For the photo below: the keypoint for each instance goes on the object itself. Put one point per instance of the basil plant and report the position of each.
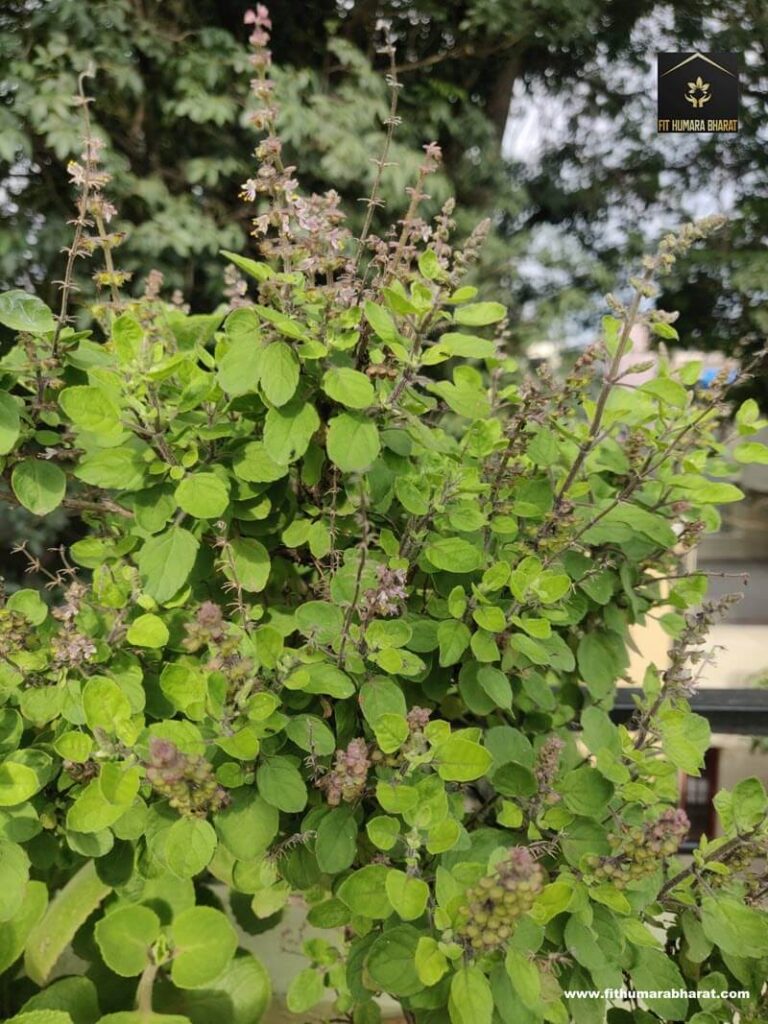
(342, 629)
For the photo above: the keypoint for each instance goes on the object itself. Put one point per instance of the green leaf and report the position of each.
(431, 963)
(544, 449)
(467, 346)
(203, 495)
(250, 564)
(470, 1000)
(41, 1017)
(685, 738)
(698, 946)
(380, 696)
(601, 662)
(391, 960)
(391, 732)
(10, 423)
(105, 704)
(478, 314)
(284, 323)
(336, 842)
(667, 390)
(453, 554)
(407, 894)
(147, 631)
(495, 683)
(524, 976)
(384, 633)
(453, 638)
(40, 486)
(748, 804)
(619, 523)
(254, 268)
(122, 469)
(748, 452)
(29, 604)
(204, 944)
(239, 995)
(707, 492)
(490, 617)
(165, 562)
(255, 465)
(463, 397)
(352, 442)
(461, 760)
(239, 369)
(189, 846)
(279, 372)
(91, 812)
(124, 938)
(429, 265)
(734, 928)
(666, 331)
(76, 996)
(534, 650)
(91, 409)
(364, 892)
(14, 875)
(748, 413)
(514, 780)
(383, 831)
(280, 783)
(306, 990)
(14, 932)
(348, 387)
(654, 971)
(248, 825)
(140, 1017)
(411, 496)
(72, 905)
(24, 312)
(18, 782)
(321, 677)
(288, 431)
(381, 322)
(311, 734)
(551, 586)
(586, 792)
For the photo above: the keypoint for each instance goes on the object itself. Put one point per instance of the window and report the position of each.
(696, 796)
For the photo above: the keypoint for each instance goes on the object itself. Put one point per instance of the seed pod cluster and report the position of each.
(15, 632)
(637, 851)
(186, 781)
(347, 779)
(487, 919)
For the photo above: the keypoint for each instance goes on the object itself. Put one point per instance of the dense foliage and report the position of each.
(345, 626)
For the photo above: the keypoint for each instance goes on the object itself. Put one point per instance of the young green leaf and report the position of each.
(125, 937)
(204, 943)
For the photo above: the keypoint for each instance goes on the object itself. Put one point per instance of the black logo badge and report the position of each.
(698, 92)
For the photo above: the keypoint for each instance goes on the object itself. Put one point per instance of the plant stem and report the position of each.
(391, 121)
(609, 382)
(144, 989)
(723, 851)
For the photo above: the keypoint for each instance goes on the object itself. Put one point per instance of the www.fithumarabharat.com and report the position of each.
(661, 993)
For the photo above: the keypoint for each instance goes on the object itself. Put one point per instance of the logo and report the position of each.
(698, 92)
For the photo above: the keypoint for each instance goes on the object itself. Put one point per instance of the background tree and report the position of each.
(172, 86)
